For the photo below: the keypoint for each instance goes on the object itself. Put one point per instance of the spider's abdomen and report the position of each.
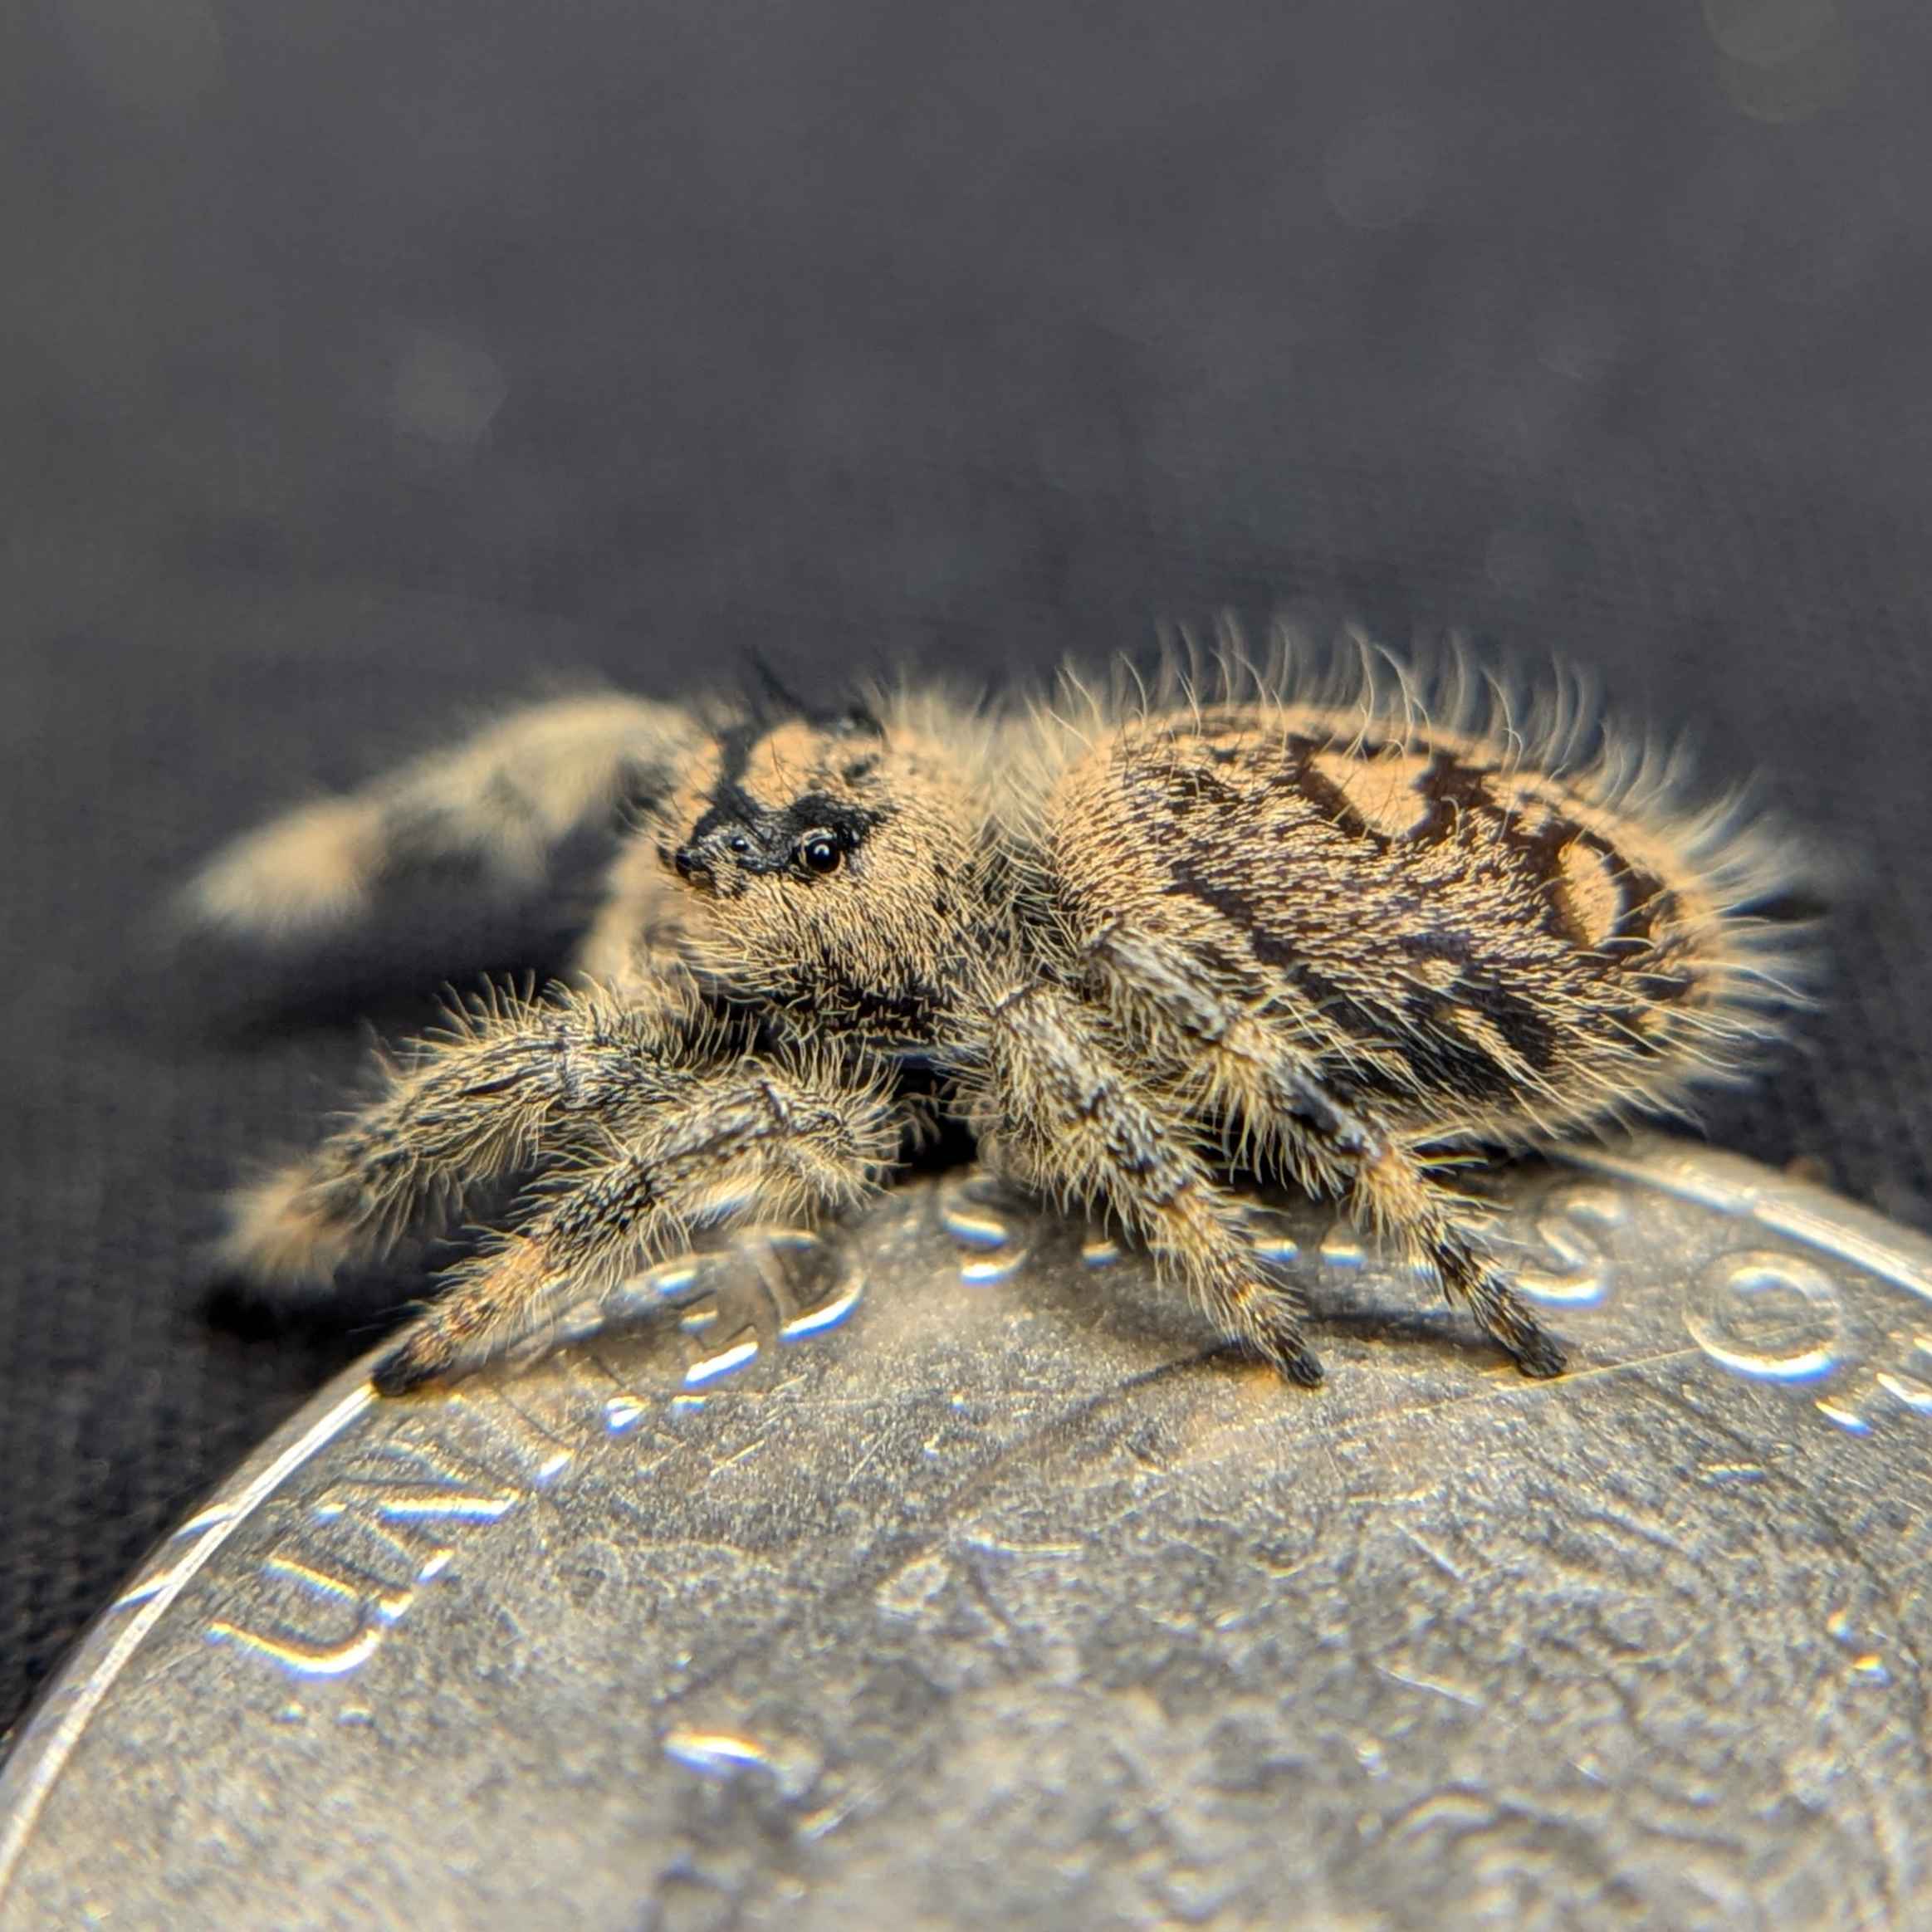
(1479, 945)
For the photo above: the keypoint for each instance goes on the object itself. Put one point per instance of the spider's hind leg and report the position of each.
(1395, 1192)
(498, 804)
(1249, 1069)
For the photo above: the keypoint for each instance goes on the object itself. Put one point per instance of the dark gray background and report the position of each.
(367, 362)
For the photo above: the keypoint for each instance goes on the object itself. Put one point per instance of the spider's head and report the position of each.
(827, 863)
(796, 800)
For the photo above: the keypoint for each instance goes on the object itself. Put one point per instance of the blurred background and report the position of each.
(369, 363)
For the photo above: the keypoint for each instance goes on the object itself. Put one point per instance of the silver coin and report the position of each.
(939, 1571)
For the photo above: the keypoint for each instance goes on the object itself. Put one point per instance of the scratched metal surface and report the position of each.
(938, 1573)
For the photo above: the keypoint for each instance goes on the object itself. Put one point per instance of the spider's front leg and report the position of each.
(1064, 1111)
(508, 1079)
(788, 1134)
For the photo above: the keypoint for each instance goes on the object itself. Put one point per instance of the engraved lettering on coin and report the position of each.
(1912, 1391)
(1902, 1388)
(346, 1572)
(713, 1349)
(1342, 1248)
(1774, 1317)
(1273, 1233)
(814, 1281)
(1572, 1228)
(327, 1594)
(772, 1287)
(991, 1221)
(174, 1555)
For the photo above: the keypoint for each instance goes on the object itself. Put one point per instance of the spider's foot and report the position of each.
(1535, 1350)
(1304, 1367)
(1294, 1360)
(425, 1354)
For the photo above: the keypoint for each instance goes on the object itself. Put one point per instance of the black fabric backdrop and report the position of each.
(366, 362)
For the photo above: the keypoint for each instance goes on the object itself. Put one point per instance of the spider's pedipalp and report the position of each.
(498, 804)
(638, 941)
(788, 1136)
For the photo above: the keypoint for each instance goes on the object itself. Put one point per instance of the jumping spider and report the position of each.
(1137, 941)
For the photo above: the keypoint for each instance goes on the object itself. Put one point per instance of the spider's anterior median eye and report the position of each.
(819, 852)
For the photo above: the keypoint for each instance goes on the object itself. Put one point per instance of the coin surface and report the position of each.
(940, 1570)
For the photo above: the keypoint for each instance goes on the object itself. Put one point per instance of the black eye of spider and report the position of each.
(739, 844)
(821, 853)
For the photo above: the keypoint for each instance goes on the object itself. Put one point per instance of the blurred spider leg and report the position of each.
(778, 1137)
(1255, 1073)
(482, 1100)
(1064, 1114)
(499, 802)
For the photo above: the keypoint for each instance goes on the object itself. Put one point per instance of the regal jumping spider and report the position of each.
(1139, 941)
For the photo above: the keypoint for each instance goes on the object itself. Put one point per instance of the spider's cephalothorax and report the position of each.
(1137, 942)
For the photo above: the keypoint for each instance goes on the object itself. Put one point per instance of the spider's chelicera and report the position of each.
(1139, 942)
